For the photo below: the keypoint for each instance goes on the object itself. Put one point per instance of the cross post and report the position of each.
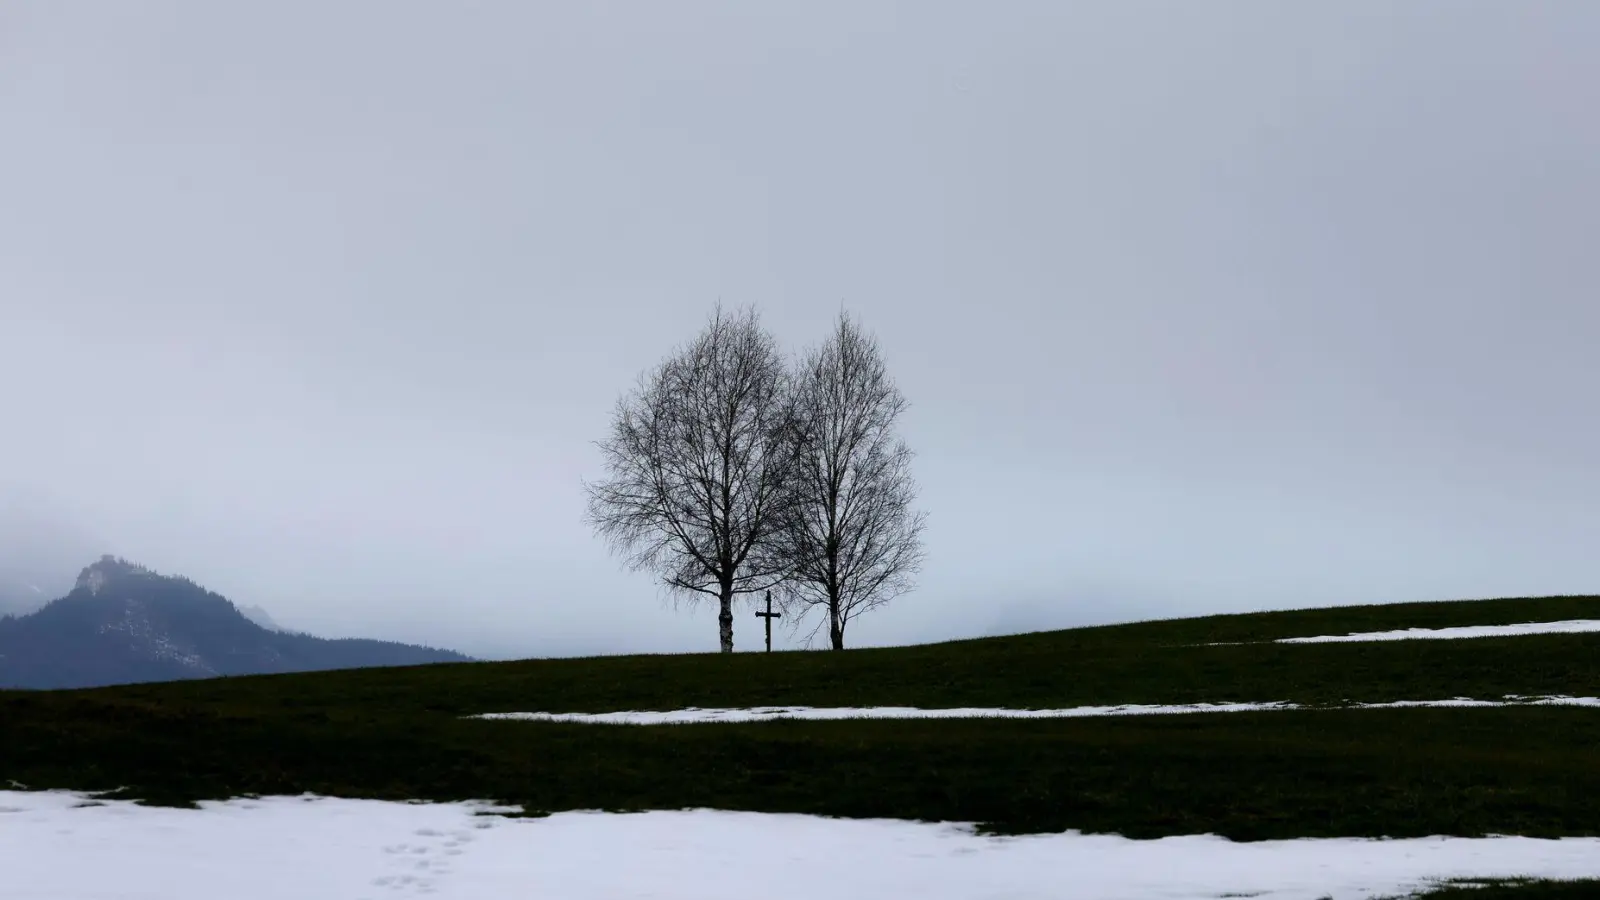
(769, 615)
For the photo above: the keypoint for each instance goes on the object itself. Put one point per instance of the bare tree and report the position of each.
(850, 537)
(697, 458)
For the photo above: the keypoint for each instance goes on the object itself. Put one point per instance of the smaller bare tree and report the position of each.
(850, 538)
(697, 456)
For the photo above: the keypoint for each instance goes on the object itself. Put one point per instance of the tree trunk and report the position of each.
(725, 617)
(835, 625)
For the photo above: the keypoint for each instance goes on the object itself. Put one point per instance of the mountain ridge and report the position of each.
(123, 623)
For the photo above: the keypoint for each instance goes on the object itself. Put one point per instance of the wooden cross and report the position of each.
(769, 615)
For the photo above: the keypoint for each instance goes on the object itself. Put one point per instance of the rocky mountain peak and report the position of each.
(105, 570)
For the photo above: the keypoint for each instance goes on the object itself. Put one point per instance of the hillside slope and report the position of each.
(405, 733)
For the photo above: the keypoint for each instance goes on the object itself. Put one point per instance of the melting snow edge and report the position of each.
(694, 715)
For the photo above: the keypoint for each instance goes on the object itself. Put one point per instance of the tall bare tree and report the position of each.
(850, 537)
(697, 459)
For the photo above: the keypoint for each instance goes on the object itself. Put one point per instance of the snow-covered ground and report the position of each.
(329, 849)
(1573, 626)
(693, 715)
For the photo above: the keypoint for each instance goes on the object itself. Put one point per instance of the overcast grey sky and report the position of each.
(1200, 306)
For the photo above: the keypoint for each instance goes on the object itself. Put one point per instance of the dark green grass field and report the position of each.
(399, 733)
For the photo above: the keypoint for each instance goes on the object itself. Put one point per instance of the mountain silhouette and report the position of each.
(123, 623)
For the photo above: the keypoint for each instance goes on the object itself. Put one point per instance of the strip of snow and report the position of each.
(1511, 700)
(313, 848)
(1574, 626)
(695, 715)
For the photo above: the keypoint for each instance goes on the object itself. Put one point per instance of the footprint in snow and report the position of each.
(405, 883)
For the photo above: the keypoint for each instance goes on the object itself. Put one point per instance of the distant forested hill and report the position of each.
(123, 623)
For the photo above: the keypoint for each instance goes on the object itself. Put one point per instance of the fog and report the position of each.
(1200, 307)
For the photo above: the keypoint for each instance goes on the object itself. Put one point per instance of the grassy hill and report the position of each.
(400, 733)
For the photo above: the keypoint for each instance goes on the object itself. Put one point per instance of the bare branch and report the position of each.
(697, 460)
(850, 537)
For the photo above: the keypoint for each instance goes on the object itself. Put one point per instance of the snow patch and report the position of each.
(1573, 626)
(695, 715)
(151, 641)
(313, 848)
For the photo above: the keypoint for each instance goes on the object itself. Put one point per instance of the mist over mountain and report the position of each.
(259, 616)
(19, 595)
(40, 548)
(122, 623)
